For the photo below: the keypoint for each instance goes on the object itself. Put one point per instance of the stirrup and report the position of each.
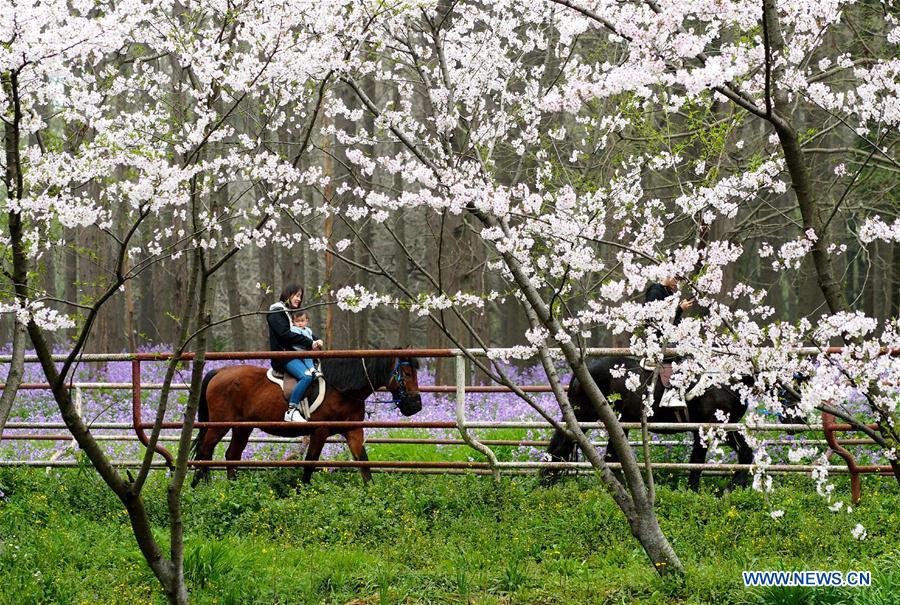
(294, 415)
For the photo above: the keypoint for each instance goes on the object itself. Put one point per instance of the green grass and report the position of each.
(434, 539)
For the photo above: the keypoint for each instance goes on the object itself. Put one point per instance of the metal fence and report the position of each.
(465, 428)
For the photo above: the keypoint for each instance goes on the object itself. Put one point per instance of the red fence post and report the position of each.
(828, 427)
(136, 413)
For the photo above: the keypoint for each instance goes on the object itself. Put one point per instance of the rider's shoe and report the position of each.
(293, 415)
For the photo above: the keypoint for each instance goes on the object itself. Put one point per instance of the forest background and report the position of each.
(719, 137)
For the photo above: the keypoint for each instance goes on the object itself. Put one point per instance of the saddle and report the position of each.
(674, 398)
(665, 370)
(665, 374)
(315, 394)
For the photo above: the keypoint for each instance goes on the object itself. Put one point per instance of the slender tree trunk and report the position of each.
(147, 305)
(781, 118)
(633, 498)
(266, 263)
(891, 281)
(130, 325)
(314, 275)
(811, 212)
(881, 285)
(14, 375)
(400, 262)
(13, 181)
(328, 278)
(176, 273)
(232, 288)
(364, 317)
(402, 271)
(179, 593)
(805, 295)
(49, 278)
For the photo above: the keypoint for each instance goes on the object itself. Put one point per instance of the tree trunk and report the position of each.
(147, 305)
(232, 287)
(266, 262)
(633, 499)
(14, 181)
(328, 232)
(809, 203)
(401, 269)
(14, 375)
(892, 282)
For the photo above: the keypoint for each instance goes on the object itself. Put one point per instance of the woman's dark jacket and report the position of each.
(660, 292)
(280, 336)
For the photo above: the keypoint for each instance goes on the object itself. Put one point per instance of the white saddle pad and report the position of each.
(672, 398)
(270, 374)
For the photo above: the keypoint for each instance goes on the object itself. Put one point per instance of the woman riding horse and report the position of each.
(282, 338)
(245, 394)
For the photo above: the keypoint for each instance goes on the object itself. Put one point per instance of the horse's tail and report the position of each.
(202, 412)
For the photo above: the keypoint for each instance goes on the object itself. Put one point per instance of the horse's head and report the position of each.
(404, 386)
(787, 409)
(789, 398)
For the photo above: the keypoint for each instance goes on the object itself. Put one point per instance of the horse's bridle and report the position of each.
(397, 375)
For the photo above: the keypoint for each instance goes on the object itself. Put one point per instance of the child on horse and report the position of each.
(282, 338)
(300, 325)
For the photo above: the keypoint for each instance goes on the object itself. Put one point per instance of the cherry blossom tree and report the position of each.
(589, 148)
(149, 110)
(525, 112)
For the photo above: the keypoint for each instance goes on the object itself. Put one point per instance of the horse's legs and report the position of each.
(698, 456)
(744, 454)
(357, 446)
(316, 443)
(208, 444)
(239, 439)
(561, 449)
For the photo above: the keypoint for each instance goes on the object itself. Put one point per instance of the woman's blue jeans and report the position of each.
(298, 368)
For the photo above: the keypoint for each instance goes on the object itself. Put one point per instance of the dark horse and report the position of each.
(244, 394)
(628, 405)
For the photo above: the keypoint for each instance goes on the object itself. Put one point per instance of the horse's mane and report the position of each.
(348, 375)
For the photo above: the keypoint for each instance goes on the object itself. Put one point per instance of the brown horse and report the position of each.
(244, 394)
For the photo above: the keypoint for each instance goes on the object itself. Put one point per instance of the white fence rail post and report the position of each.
(461, 418)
